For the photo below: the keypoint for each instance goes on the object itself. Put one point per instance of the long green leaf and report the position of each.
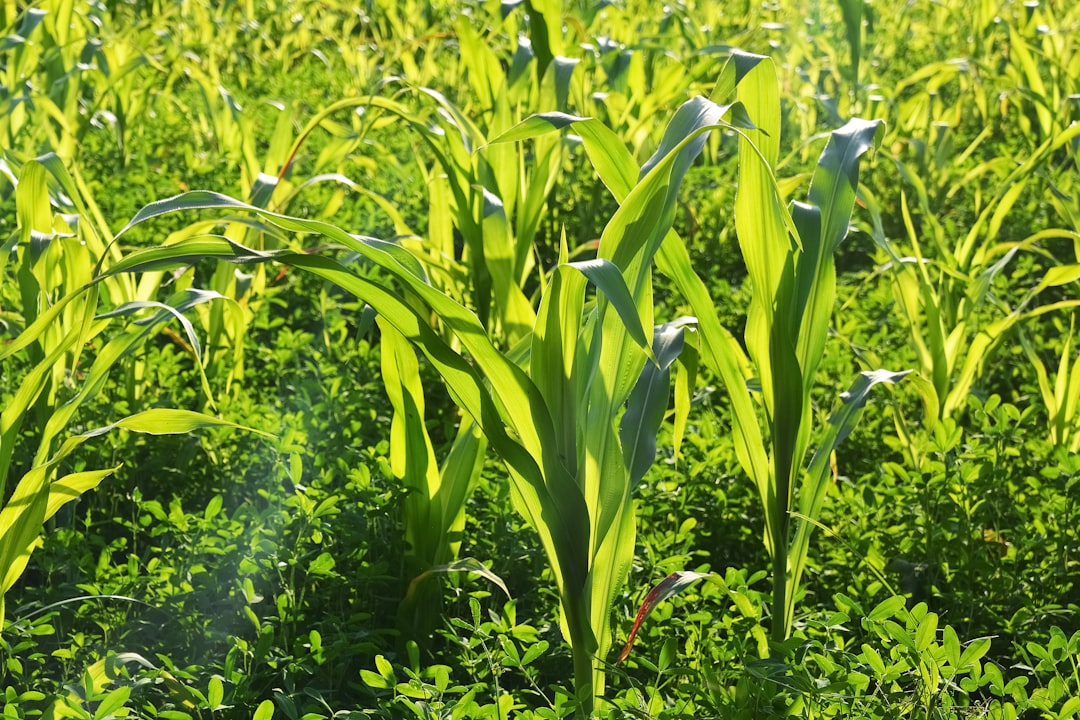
(34, 500)
(648, 402)
(812, 493)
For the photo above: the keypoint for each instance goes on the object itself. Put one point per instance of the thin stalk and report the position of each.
(583, 681)
(581, 651)
(780, 578)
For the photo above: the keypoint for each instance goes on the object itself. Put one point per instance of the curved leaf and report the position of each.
(607, 277)
(535, 125)
(670, 586)
(468, 565)
(647, 404)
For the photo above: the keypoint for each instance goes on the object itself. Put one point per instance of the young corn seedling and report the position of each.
(554, 410)
(508, 194)
(435, 505)
(59, 297)
(494, 197)
(266, 181)
(48, 69)
(1062, 399)
(1044, 68)
(790, 259)
(943, 288)
(789, 255)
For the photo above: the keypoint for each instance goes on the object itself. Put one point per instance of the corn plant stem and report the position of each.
(779, 626)
(577, 620)
(583, 678)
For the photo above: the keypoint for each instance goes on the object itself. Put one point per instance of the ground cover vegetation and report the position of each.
(539, 359)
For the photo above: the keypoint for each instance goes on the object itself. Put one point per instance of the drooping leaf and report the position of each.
(607, 277)
(535, 125)
(670, 586)
(647, 404)
(467, 565)
(71, 487)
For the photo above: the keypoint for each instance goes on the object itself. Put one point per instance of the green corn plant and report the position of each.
(61, 316)
(789, 256)
(495, 199)
(1042, 65)
(790, 260)
(435, 506)
(42, 78)
(434, 510)
(61, 77)
(555, 417)
(494, 194)
(1062, 399)
(266, 180)
(635, 63)
(943, 289)
(792, 270)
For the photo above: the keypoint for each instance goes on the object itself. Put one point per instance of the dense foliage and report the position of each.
(406, 359)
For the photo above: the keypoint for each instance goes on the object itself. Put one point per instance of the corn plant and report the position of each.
(42, 52)
(435, 505)
(789, 255)
(495, 199)
(60, 317)
(790, 260)
(494, 194)
(267, 180)
(489, 273)
(556, 416)
(1062, 398)
(943, 288)
(793, 275)
(1042, 65)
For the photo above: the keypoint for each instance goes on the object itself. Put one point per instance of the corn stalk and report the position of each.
(789, 255)
(556, 420)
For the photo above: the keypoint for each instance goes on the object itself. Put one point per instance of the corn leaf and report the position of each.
(648, 403)
(667, 588)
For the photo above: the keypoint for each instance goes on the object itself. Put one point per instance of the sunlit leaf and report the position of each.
(670, 586)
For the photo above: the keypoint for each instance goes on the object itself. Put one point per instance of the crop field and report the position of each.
(539, 359)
